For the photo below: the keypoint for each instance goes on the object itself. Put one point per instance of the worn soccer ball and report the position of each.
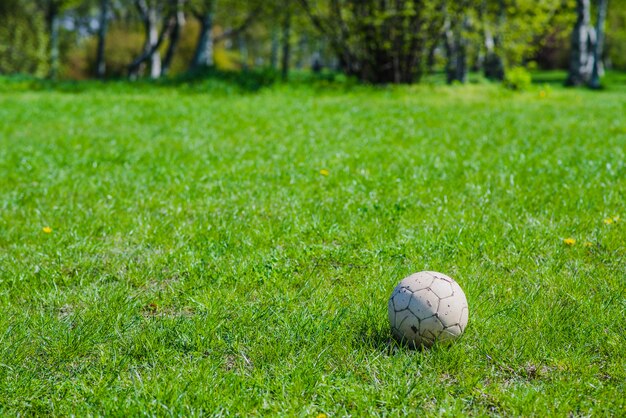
(427, 307)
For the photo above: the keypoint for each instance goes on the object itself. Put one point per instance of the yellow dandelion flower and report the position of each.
(569, 241)
(324, 172)
(588, 244)
(46, 229)
(322, 415)
(608, 221)
(542, 94)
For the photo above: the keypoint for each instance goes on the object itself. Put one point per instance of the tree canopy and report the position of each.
(375, 41)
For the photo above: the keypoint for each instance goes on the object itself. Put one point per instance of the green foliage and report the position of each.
(23, 39)
(379, 42)
(521, 27)
(199, 264)
(123, 43)
(517, 78)
(616, 34)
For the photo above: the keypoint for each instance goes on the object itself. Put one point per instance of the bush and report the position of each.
(517, 78)
(23, 39)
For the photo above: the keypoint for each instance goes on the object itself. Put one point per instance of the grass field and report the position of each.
(165, 252)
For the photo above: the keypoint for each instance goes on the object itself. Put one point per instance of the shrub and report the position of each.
(517, 78)
(23, 39)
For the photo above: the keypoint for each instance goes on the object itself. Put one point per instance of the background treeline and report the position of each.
(376, 41)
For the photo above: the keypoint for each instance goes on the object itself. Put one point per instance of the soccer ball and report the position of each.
(427, 307)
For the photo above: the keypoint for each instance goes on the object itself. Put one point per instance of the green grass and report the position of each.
(200, 264)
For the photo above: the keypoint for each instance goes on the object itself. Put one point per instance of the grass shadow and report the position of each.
(202, 80)
(378, 338)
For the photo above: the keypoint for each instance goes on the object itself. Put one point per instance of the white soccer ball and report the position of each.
(427, 307)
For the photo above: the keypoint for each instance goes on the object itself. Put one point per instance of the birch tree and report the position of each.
(583, 42)
(598, 69)
(204, 12)
(234, 16)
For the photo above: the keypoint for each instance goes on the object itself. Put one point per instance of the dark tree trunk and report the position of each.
(461, 60)
(316, 62)
(52, 19)
(174, 40)
(102, 34)
(598, 69)
(302, 52)
(493, 66)
(430, 57)
(456, 51)
(286, 46)
(274, 49)
(242, 43)
(583, 41)
(203, 57)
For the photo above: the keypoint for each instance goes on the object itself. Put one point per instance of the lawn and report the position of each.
(165, 251)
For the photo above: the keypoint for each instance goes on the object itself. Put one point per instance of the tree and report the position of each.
(174, 35)
(23, 38)
(513, 30)
(102, 34)
(378, 41)
(285, 20)
(583, 42)
(237, 16)
(615, 40)
(493, 64)
(456, 24)
(204, 12)
(52, 10)
(286, 43)
(149, 13)
(597, 69)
